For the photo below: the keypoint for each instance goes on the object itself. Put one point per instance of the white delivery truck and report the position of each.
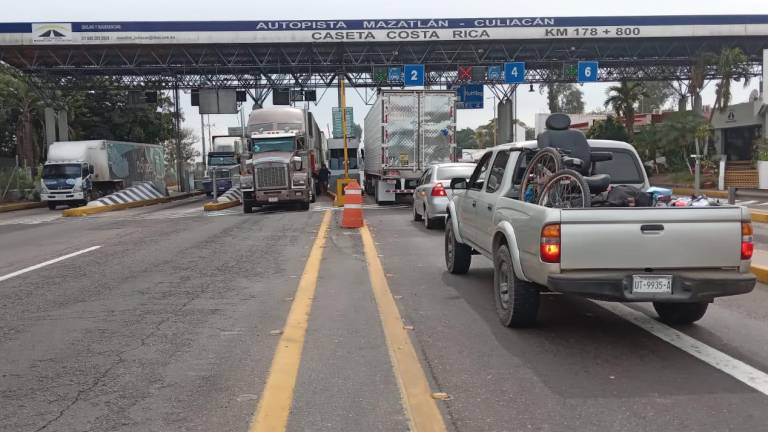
(405, 133)
(79, 171)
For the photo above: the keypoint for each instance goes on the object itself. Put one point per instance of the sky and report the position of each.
(528, 103)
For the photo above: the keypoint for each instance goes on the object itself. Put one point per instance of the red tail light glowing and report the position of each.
(550, 243)
(438, 190)
(747, 246)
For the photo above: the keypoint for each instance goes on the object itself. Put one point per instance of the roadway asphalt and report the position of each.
(170, 326)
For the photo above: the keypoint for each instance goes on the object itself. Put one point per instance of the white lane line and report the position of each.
(41, 265)
(763, 204)
(743, 203)
(743, 372)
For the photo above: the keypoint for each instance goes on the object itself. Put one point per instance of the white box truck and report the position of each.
(76, 172)
(405, 133)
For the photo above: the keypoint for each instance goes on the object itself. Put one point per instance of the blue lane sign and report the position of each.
(494, 73)
(514, 72)
(413, 75)
(587, 71)
(470, 96)
(393, 73)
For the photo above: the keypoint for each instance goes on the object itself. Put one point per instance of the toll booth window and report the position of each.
(336, 161)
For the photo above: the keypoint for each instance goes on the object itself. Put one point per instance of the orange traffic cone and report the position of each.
(352, 215)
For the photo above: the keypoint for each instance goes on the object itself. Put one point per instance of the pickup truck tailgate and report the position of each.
(630, 238)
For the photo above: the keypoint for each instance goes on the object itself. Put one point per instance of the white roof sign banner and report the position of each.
(380, 30)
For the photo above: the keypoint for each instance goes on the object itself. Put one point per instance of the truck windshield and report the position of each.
(263, 145)
(221, 160)
(61, 171)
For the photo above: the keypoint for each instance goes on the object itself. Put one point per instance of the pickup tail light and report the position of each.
(550, 243)
(747, 246)
(438, 190)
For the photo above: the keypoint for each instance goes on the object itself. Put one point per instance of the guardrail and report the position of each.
(735, 193)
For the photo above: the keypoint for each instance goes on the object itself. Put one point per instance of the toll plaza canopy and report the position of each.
(312, 53)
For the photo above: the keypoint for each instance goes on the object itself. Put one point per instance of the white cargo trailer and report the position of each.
(406, 132)
(76, 172)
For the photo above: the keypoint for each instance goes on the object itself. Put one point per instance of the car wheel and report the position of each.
(680, 313)
(416, 215)
(429, 223)
(458, 256)
(517, 301)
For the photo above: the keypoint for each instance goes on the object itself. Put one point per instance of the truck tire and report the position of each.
(517, 301)
(680, 313)
(51, 205)
(247, 207)
(458, 256)
(304, 205)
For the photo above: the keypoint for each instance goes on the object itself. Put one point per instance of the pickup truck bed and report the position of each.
(678, 258)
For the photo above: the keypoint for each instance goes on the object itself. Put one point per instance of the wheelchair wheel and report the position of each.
(540, 169)
(566, 189)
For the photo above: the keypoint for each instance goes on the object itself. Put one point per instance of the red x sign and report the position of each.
(465, 73)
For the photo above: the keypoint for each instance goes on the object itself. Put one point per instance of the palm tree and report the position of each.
(731, 66)
(622, 99)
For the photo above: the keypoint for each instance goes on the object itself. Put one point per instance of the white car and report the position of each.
(430, 197)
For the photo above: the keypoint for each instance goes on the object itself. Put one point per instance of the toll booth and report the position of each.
(336, 160)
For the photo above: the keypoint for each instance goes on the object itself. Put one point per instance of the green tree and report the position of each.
(608, 129)
(22, 108)
(623, 99)
(678, 134)
(731, 66)
(107, 115)
(563, 97)
(657, 94)
(648, 143)
(465, 138)
(357, 131)
(188, 150)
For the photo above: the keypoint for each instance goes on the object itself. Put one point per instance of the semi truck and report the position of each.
(223, 164)
(405, 133)
(284, 154)
(76, 172)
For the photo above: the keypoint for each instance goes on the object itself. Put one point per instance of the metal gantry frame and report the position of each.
(260, 68)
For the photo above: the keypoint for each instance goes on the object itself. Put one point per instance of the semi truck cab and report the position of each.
(278, 172)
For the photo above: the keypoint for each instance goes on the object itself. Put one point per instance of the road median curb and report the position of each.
(761, 273)
(708, 192)
(758, 216)
(214, 206)
(4, 208)
(85, 211)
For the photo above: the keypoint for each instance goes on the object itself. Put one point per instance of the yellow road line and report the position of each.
(276, 399)
(422, 410)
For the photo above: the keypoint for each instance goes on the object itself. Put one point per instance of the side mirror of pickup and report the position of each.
(458, 183)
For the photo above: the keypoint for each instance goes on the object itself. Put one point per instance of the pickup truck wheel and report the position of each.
(416, 215)
(517, 301)
(458, 256)
(680, 313)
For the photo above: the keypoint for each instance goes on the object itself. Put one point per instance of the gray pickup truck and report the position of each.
(680, 259)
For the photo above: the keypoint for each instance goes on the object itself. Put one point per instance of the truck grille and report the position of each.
(272, 177)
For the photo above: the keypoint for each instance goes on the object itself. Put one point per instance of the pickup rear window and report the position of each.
(623, 169)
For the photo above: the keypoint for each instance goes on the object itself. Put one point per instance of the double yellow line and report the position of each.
(274, 405)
